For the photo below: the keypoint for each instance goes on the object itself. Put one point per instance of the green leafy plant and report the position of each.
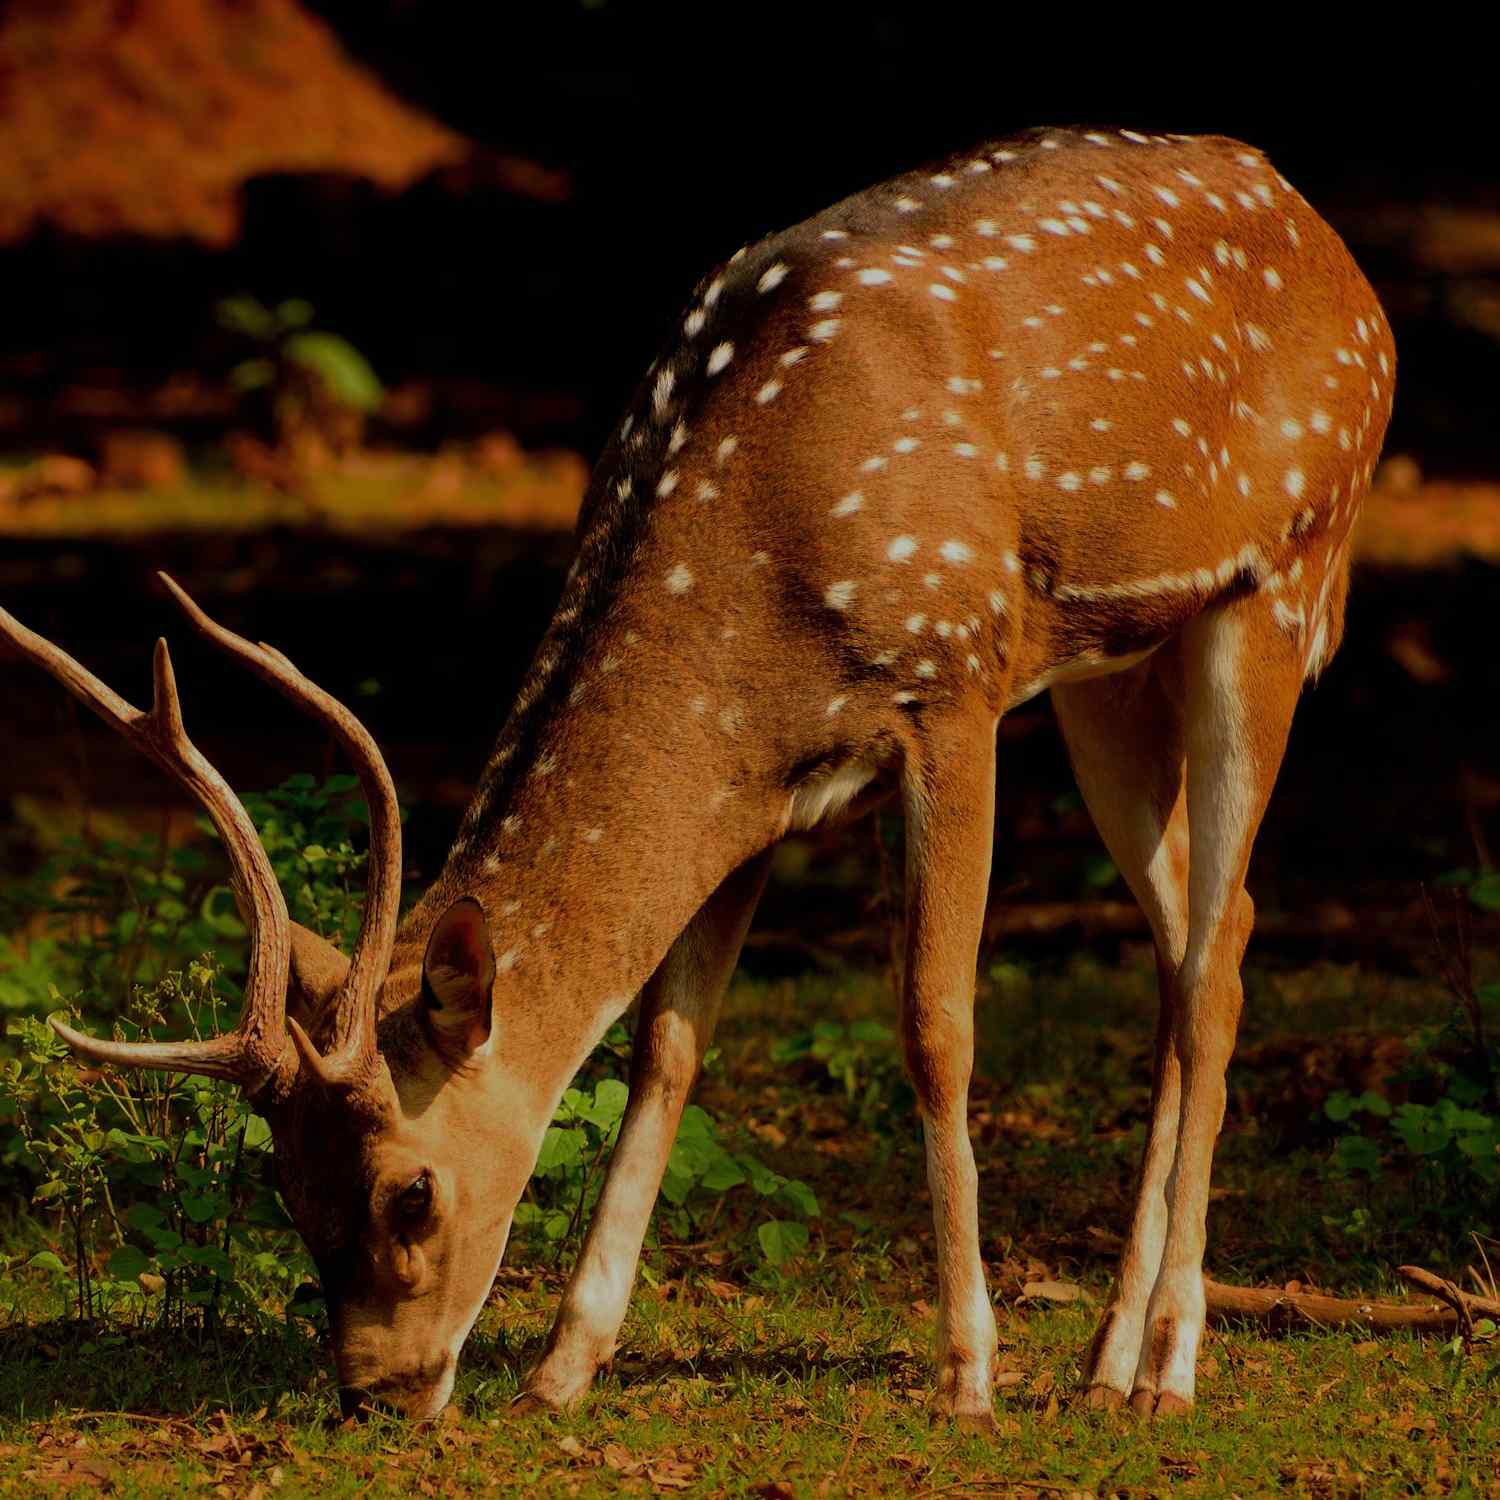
(155, 1186)
(155, 1178)
(701, 1172)
(299, 378)
(309, 829)
(862, 1059)
(1445, 1136)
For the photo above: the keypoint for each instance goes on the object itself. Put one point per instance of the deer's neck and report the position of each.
(619, 796)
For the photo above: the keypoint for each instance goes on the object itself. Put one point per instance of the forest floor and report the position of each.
(736, 1377)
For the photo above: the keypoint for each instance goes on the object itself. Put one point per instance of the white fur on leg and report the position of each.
(1167, 1370)
(966, 1331)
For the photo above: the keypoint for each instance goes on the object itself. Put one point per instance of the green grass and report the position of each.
(734, 1377)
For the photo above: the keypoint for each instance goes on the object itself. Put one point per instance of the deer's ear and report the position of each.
(318, 969)
(458, 974)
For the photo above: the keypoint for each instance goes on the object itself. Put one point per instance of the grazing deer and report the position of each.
(1087, 411)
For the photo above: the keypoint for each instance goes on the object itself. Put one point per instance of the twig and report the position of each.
(1464, 1303)
(1280, 1310)
(81, 1413)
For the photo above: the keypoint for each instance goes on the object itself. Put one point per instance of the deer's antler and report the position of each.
(351, 1057)
(259, 1050)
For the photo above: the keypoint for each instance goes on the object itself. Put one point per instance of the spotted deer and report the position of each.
(1091, 412)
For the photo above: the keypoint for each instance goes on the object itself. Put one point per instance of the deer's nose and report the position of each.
(355, 1402)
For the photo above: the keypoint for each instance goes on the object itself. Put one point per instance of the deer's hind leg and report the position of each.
(1126, 737)
(1242, 673)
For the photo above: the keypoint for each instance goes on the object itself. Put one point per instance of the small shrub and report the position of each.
(862, 1059)
(701, 1172)
(1445, 1135)
(157, 1185)
(159, 1180)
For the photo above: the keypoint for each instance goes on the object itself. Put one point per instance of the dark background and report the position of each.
(688, 132)
(683, 134)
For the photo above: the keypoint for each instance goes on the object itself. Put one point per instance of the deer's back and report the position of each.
(1020, 413)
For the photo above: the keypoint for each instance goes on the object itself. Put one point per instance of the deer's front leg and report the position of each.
(679, 1007)
(949, 800)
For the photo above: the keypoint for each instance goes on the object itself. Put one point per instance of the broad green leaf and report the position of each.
(341, 367)
(1358, 1153)
(128, 1262)
(781, 1240)
(800, 1197)
(144, 1216)
(208, 1258)
(696, 1125)
(676, 1185)
(722, 1175)
(246, 315)
(610, 1099)
(1424, 1130)
(561, 1147)
(295, 312)
(199, 1209)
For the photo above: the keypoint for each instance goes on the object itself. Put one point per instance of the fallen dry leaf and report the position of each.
(1054, 1291)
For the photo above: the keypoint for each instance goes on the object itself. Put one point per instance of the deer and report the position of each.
(1087, 411)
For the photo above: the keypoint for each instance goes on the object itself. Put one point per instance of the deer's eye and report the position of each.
(414, 1202)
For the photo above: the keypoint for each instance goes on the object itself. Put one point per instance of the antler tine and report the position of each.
(257, 1050)
(352, 1047)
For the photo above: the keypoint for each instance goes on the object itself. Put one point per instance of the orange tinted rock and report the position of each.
(140, 461)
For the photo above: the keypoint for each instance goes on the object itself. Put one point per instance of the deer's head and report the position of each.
(399, 1152)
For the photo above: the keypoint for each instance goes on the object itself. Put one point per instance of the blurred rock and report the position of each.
(209, 96)
(408, 405)
(445, 479)
(259, 462)
(497, 453)
(1400, 474)
(140, 461)
(54, 474)
(1410, 646)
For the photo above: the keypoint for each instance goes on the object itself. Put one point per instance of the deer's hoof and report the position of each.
(533, 1403)
(980, 1422)
(1170, 1404)
(945, 1407)
(1101, 1398)
(1151, 1404)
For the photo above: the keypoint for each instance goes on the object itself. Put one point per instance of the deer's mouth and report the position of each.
(419, 1396)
